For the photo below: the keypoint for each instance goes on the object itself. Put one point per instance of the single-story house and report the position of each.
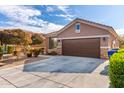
(83, 38)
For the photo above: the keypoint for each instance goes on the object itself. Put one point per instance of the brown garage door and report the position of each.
(81, 47)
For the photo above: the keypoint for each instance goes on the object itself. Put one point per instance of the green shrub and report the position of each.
(121, 50)
(1, 49)
(1, 52)
(16, 53)
(1, 55)
(42, 50)
(10, 49)
(52, 53)
(36, 52)
(29, 52)
(116, 70)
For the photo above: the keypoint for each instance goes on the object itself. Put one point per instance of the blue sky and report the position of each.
(45, 19)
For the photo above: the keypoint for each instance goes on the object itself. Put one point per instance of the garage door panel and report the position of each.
(84, 53)
(81, 47)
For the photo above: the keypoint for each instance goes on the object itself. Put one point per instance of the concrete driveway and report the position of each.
(58, 72)
(65, 64)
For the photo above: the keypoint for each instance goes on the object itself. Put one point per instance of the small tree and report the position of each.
(3, 37)
(37, 39)
(19, 37)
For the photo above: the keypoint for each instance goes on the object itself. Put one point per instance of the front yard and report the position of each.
(11, 61)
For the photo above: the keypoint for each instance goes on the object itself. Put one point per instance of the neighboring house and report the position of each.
(83, 38)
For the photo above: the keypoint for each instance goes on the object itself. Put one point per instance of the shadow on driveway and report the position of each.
(105, 71)
(64, 64)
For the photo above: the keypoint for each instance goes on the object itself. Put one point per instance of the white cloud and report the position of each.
(22, 14)
(54, 27)
(26, 17)
(50, 9)
(63, 8)
(66, 16)
(120, 31)
(50, 27)
(19, 13)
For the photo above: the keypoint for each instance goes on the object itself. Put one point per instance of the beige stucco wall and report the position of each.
(104, 47)
(86, 30)
(112, 39)
(111, 45)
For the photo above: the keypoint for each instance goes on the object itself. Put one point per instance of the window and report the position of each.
(77, 27)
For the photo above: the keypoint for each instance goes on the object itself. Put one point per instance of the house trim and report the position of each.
(95, 36)
(108, 47)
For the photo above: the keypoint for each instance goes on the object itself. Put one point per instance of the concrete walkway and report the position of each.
(16, 77)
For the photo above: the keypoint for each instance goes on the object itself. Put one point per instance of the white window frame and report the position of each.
(77, 31)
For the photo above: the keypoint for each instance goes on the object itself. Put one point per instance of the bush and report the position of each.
(29, 54)
(10, 49)
(36, 52)
(15, 53)
(1, 52)
(1, 49)
(120, 50)
(1, 55)
(116, 70)
(52, 53)
(42, 50)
